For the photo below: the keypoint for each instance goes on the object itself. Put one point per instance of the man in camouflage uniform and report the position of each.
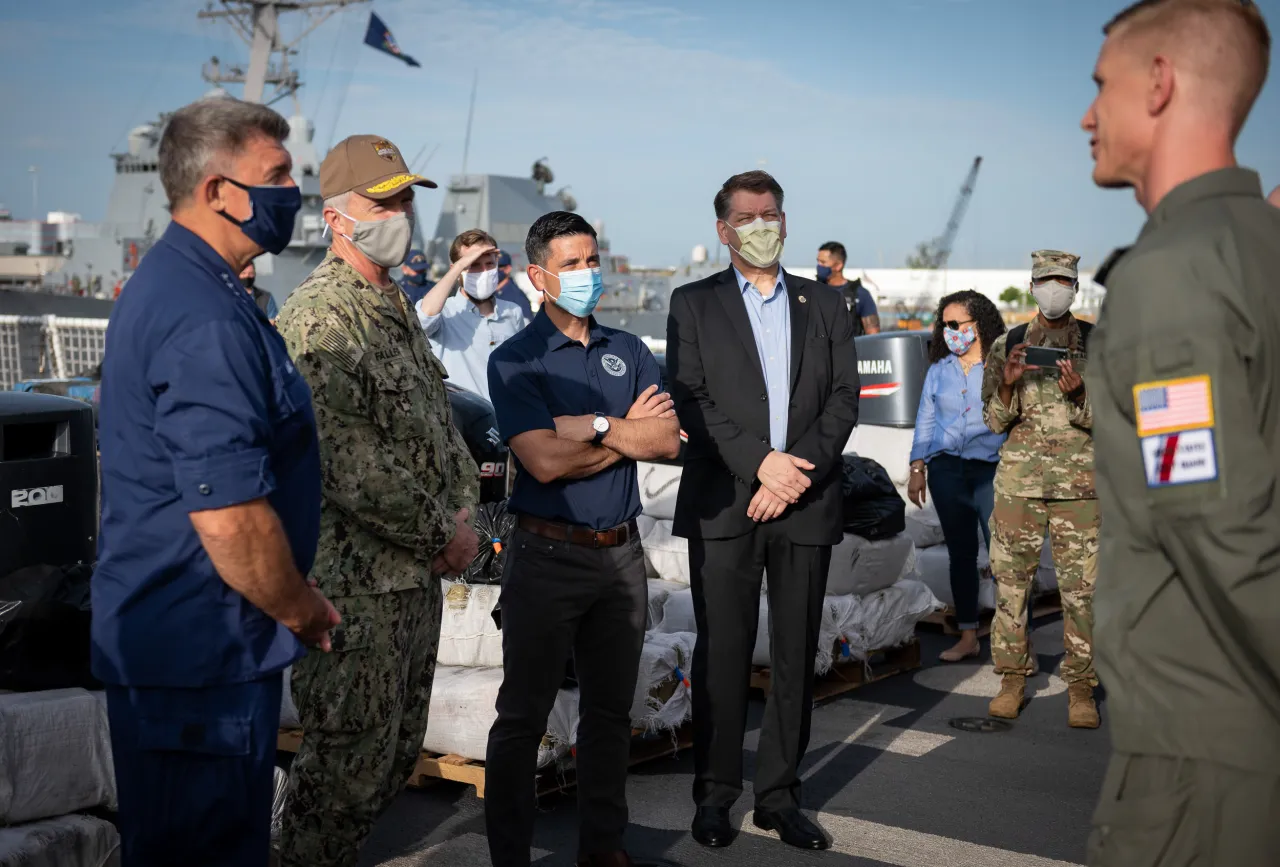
(398, 487)
(1045, 481)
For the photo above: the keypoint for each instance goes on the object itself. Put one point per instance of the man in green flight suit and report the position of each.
(1044, 483)
(398, 486)
(1185, 384)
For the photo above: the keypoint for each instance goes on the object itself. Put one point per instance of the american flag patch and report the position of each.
(1173, 405)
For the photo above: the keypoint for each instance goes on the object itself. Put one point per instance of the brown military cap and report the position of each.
(368, 165)
(1054, 263)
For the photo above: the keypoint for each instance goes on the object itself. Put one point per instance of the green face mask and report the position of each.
(761, 242)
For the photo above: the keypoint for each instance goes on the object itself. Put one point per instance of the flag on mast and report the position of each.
(379, 36)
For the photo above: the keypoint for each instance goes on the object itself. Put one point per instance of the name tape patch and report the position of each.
(1179, 458)
(1173, 405)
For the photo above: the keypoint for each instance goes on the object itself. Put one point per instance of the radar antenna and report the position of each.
(257, 23)
(542, 175)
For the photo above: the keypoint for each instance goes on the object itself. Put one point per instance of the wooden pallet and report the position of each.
(433, 767)
(851, 674)
(1044, 605)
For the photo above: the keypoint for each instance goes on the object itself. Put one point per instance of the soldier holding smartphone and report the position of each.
(1033, 391)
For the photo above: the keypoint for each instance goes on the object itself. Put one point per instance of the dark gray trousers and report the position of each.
(560, 598)
(725, 576)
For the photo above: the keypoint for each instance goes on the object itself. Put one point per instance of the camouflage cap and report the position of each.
(369, 165)
(1054, 263)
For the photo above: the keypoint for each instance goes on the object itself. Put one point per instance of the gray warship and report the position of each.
(94, 260)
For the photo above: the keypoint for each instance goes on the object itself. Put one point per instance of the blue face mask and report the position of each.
(824, 273)
(270, 224)
(580, 291)
(417, 278)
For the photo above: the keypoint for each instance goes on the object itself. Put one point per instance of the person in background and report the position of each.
(1185, 384)
(210, 505)
(579, 405)
(466, 328)
(857, 298)
(261, 297)
(413, 276)
(509, 290)
(954, 452)
(399, 486)
(1045, 483)
(1274, 197)
(764, 373)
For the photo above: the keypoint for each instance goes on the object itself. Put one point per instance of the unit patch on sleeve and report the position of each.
(1173, 405)
(1179, 458)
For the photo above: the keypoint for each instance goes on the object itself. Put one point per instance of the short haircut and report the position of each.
(202, 138)
(1223, 41)
(753, 182)
(469, 238)
(548, 227)
(835, 248)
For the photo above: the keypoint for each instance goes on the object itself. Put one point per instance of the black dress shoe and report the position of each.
(793, 827)
(711, 827)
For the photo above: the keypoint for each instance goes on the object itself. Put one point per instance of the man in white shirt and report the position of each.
(465, 329)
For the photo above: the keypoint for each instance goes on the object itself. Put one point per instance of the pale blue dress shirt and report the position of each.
(771, 325)
(949, 419)
(463, 339)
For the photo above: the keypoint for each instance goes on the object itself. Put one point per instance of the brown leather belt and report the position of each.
(578, 535)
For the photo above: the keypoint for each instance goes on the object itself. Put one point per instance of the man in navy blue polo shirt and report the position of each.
(210, 504)
(578, 404)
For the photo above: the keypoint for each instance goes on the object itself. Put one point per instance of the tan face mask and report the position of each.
(761, 242)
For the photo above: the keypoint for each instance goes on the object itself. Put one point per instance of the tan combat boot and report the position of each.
(1008, 703)
(1082, 713)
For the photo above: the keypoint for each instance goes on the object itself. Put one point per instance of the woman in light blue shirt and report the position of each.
(956, 450)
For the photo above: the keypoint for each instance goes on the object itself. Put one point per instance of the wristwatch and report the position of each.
(601, 426)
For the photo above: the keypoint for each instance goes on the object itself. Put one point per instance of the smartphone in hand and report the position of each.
(1045, 358)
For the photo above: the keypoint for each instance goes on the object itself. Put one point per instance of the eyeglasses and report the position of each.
(954, 324)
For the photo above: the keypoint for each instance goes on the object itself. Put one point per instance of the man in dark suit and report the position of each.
(764, 375)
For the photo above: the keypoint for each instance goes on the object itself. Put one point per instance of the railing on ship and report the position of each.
(49, 347)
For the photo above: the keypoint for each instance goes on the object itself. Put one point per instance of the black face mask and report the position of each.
(417, 279)
(248, 283)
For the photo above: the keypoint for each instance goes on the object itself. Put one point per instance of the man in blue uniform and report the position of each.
(508, 290)
(413, 277)
(579, 405)
(210, 504)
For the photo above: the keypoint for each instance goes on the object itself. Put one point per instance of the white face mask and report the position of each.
(1054, 298)
(384, 242)
(481, 285)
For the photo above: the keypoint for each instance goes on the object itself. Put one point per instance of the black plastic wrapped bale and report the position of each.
(494, 527)
(44, 628)
(48, 481)
(872, 507)
(474, 418)
(891, 369)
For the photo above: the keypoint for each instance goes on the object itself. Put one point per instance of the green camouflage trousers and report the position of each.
(363, 709)
(1017, 534)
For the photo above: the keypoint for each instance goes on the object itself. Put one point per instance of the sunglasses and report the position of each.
(954, 325)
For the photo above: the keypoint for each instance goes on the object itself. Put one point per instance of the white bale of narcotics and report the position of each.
(659, 590)
(860, 566)
(61, 841)
(464, 708)
(469, 638)
(666, 557)
(55, 754)
(659, 484)
(886, 618)
(662, 698)
(923, 525)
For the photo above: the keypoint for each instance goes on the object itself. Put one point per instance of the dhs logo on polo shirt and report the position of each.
(614, 365)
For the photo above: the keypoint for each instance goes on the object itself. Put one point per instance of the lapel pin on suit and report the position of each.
(801, 299)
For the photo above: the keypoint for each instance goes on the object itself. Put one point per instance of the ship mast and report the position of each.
(257, 23)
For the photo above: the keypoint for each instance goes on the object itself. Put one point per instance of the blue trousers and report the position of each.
(963, 495)
(194, 772)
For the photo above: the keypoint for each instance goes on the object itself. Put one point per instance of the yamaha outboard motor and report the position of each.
(474, 417)
(891, 367)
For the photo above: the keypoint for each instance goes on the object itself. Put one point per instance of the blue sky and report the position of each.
(869, 112)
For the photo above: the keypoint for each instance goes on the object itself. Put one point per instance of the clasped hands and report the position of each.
(650, 404)
(463, 547)
(782, 484)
